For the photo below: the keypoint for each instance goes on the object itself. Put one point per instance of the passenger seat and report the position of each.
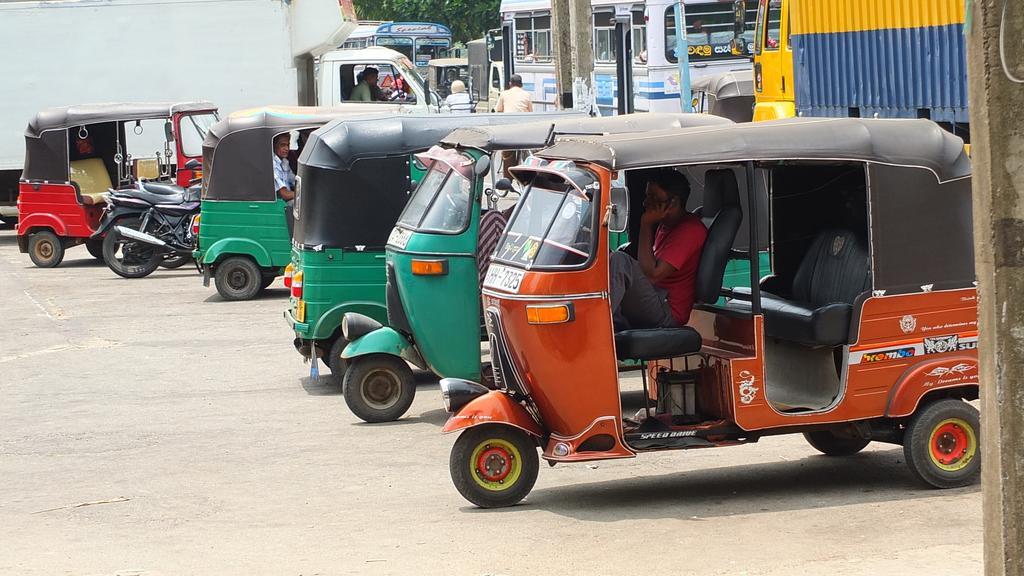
(817, 313)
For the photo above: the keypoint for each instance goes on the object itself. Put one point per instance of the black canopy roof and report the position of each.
(355, 174)
(911, 143)
(536, 134)
(80, 114)
(237, 150)
(339, 144)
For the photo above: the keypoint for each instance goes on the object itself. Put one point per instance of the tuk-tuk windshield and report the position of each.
(552, 227)
(441, 202)
(193, 131)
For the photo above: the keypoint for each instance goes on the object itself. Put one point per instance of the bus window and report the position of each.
(605, 49)
(533, 38)
(709, 30)
(429, 48)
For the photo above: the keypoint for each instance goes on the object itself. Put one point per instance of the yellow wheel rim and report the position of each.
(495, 464)
(952, 445)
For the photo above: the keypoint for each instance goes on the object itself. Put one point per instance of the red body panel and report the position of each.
(492, 408)
(55, 207)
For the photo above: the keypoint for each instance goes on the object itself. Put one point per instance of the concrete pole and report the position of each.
(561, 39)
(997, 137)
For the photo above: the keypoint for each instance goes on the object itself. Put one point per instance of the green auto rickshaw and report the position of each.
(244, 239)
(354, 178)
(438, 255)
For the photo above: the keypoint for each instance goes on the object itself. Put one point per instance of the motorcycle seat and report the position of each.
(150, 197)
(165, 188)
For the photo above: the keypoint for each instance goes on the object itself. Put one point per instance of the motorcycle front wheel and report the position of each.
(130, 258)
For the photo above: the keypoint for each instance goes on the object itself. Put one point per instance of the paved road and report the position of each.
(147, 427)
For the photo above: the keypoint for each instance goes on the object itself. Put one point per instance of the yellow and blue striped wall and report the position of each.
(893, 58)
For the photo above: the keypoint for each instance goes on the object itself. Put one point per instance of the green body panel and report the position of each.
(335, 282)
(381, 341)
(255, 229)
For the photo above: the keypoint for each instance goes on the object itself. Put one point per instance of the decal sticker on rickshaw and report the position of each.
(908, 323)
(399, 237)
(747, 390)
(961, 368)
(672, 434)
(941, 344)
(951, 326)
(896, 354)
(971, 344)
(503, 278)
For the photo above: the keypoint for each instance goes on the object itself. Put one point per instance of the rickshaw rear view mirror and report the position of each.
(169, 131)
(483, 164)
(618, 210)
(193, 164)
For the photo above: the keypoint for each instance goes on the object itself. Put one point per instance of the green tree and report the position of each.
(468, 19)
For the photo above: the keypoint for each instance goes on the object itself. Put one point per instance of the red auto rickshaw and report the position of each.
(865, 330)
(74, 155)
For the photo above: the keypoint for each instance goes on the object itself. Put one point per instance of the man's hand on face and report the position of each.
(654, 214)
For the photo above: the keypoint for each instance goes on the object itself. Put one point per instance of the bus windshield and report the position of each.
(552, 227)
(710, 29)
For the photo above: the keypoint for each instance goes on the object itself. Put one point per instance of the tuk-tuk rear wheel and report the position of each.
(95, 248)
(378, 387)
(941, 444)
(831, 444)
(335, 362)
(238, 278)
(45, 249)
(494, 465)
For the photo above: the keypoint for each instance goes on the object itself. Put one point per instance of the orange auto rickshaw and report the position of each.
(865, 329)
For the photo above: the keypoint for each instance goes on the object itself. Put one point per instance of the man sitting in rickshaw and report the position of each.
(657, 288)
(284, 178)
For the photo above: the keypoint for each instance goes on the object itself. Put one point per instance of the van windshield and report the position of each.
(441, 202)
(552, 227)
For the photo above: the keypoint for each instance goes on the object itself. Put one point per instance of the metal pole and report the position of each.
(624, 58)
(683, 56)
(995, 53)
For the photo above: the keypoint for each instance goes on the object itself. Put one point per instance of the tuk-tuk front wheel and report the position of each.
(830, 443)
(941, 444)
(238, 278)
(494, 465)
(378, 387)
(45, 249)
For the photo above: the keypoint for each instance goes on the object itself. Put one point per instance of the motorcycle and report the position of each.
(150, 226)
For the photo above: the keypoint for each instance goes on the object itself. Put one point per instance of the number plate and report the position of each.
(399, 237)
(300, 311)
(504, 278)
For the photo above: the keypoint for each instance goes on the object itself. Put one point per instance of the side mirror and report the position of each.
(618, 212)
(193, 164)
(502, 187)
(169, 131)
(483, 164)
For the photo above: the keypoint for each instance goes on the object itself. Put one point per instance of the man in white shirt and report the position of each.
(459, 101)
(284, 178)
(515, 99)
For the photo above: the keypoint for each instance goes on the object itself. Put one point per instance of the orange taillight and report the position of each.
(430, 267)
(288, 271)
(195, 225)
(549, 313)
(296, 285)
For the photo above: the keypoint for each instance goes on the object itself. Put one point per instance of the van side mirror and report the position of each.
(618, 210)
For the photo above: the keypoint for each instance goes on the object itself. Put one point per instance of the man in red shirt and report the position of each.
(657, 289)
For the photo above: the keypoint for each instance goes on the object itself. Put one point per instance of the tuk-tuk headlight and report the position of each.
(456, 393)
(354, 326)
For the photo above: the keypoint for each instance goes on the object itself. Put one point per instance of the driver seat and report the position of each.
(721, 192)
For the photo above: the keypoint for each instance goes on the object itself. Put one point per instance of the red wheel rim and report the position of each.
(494, 464)
(950, 442)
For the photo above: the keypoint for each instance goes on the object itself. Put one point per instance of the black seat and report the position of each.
(147, 196)
(721, 194)
(817, 312)
(163, 188)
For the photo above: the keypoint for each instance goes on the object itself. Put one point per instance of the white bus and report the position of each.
(710, 31)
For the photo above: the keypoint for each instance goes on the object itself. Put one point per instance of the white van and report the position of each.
(339, 72)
